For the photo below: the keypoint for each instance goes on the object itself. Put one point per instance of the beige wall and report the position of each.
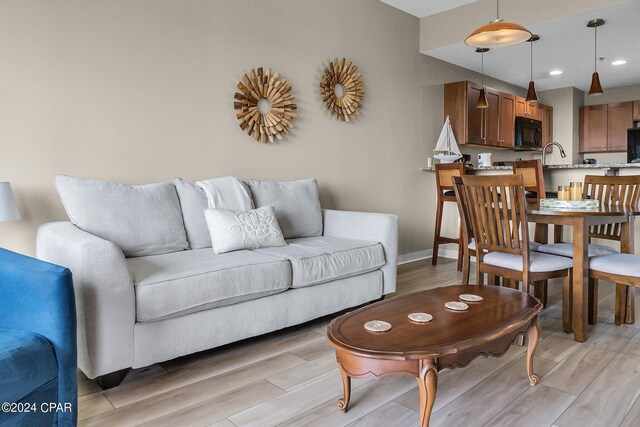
(142, 91)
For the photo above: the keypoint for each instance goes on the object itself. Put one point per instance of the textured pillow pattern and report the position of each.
(231, 231)
(193, 202)
(297, 205)
(141, 219)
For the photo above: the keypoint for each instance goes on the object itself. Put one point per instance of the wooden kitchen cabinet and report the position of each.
(593, 129)
(507, 120)
(547, 124)
(530, 110)
(603, 128)
(493, 126)
(619, 119)
(636, 110)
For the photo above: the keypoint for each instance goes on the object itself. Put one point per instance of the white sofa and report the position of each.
(136, 311)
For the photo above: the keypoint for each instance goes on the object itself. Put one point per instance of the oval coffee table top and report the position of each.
(502, 311)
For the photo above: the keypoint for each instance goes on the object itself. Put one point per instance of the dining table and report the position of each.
(582, 221)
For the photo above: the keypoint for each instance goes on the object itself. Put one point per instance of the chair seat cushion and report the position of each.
(316, 260)
(566, 249)
(538, 262)
(27, 362)
(533, 246)
(621, 264)
(171, 285)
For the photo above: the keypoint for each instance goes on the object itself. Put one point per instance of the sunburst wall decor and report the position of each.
(342, 90)
(265, 104)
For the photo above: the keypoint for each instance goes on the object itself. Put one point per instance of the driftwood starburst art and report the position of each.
(276, 117)
(344, 105)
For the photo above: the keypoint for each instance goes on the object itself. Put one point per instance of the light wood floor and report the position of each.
(290, 378)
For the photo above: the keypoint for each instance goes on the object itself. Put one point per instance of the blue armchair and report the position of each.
(38, 365)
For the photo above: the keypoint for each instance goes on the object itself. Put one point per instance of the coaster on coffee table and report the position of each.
(420, 317)
(456, 306)
(377, 326)
(471, 298)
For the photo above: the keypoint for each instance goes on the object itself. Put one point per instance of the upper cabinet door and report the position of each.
(492, 118)
(507, 120)
(619, 118)
(547, 124)
(521, 107)
(636, 110)
(593, 129)
(475, 116)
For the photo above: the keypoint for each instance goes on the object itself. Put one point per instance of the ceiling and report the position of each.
(565, 44)
(422, 8)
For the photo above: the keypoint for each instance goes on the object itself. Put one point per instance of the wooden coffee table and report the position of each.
(451, 339)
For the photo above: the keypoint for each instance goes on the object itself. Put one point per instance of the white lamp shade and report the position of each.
(8, 207)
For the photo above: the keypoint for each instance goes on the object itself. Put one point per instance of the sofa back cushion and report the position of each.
(193, 202)
(141, 219)
(297, 205)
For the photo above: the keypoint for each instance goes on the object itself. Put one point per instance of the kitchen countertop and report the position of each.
(564, 166)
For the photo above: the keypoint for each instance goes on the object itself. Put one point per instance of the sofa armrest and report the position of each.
(374, 227)
(105, 298)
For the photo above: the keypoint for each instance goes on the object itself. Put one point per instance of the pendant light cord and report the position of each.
(482, 67)
(497, 9)
(595, 48)
(531, 60)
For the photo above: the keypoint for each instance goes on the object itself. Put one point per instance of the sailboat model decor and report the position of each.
(447, 150)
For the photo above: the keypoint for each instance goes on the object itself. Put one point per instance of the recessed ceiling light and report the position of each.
(619, 62)
(555, 72)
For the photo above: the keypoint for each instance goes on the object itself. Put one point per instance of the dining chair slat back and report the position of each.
(533, 179)
(497, 212)
(611, 190)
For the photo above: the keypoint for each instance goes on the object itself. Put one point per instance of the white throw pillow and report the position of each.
(297, 205)
(231, 231)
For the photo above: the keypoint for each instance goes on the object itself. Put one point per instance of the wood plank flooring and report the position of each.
(290, 378)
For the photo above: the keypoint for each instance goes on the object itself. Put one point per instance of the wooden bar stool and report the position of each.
(445, 193)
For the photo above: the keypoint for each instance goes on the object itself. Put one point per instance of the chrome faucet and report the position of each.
(544, 152)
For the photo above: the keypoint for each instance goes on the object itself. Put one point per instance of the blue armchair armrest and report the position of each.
(37, 297)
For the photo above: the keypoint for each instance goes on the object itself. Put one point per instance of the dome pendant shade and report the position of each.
(532, 95)
(596, 87)
(498, 33)
(482, 100)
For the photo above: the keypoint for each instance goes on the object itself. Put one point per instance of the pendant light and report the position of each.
(482, 97)
(532, 96)
(596, 87)
(498, 33)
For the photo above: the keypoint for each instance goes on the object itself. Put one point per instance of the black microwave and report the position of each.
(528, 134)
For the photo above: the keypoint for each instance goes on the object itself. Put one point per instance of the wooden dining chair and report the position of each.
(445, 193)
(609, 190)
(533, 178)
(621, 269)
(468, 242)
(497, 211)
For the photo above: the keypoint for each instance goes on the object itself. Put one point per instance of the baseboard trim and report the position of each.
(426, 254)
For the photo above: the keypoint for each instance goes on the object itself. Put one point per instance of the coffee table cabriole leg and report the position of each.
(533, 336)
(427, 383)
(343, 402)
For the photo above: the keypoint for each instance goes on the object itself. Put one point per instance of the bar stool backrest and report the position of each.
(531, 171)
(444, 173)
(463, 209)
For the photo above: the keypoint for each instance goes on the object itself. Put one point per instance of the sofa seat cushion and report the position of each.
(566, 249)
(538, 262)
(175, 284)
(316, 260)
(27, 362)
